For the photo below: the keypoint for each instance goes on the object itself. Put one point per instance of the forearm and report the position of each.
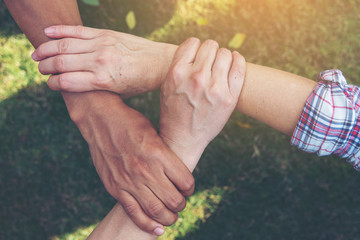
(118, 226)
(274, 97)
(33, 16)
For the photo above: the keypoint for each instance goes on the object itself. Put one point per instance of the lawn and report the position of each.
(250, 184)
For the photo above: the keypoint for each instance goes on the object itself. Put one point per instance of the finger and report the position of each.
(73, 82)
(63, 46)
(168, 194)
(206, 54)
(237, 74)
(186, 52)
(61, 31)
(135, 212)
(179, 174)
(221, 67)
(154, 208)
(183, 181)
(65, 63)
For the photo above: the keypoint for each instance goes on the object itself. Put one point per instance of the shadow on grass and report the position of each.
(48, 185)
(282, 195)
(7, 25)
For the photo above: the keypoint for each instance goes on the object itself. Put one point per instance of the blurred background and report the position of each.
(250, 183)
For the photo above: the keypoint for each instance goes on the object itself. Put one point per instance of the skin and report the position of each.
(209, 89)
(188, 92)
(132, 160)
(272, 96)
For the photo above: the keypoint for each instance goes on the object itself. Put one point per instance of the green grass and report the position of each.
(250, 183)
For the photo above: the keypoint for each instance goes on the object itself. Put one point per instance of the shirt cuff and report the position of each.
(329, 123)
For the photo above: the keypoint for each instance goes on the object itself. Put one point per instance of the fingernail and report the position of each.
(34, 56)
(159, 231)
(49, 30)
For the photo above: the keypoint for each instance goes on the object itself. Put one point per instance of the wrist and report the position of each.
(187, 151)
(117, 225)
(168, 52)
(84, 107)
(149, 72)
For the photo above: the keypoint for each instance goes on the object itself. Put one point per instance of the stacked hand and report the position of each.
(198, 96)
(201, 91)
(135, 165)
(86, 59)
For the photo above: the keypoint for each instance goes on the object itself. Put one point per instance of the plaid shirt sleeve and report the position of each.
(330, 123)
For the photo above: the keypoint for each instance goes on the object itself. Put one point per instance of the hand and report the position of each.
(133, 162)
(198, 96)
(88, 59)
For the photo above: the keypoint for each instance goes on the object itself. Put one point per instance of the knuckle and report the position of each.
(154, 151)
(198, 78)
(188, 183)
(193, 40)
(216, 92)
(107, 38)
(155, 147)
(176, 203)
(63, 45)
(156, 209)
(228, 102)
(198, 75)
(212, 43)
(104, 57)
(59, 63)
(61, 29)
(177, 73)
(143, 168)
(63, 83)
(239, 62)
(78, 30)
(171, 220)
(131, 209)
(103, 80)
(157, 152)
(225, 52)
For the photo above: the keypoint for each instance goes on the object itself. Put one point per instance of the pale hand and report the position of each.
(86, 59)
(198, 96)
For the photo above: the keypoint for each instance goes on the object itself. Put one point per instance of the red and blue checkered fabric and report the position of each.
(330, 123)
